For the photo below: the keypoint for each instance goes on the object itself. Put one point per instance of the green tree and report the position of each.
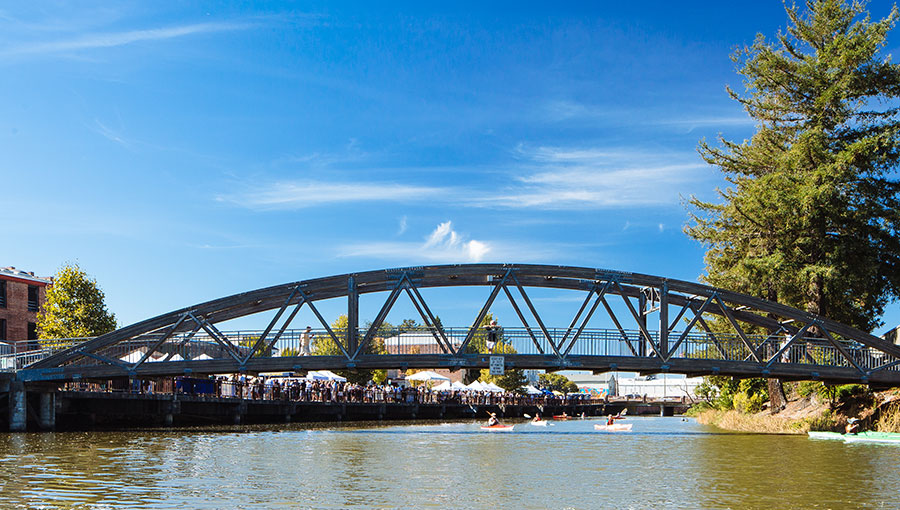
(74, 307)
(557, 382)
(323, 345)
(811, 213)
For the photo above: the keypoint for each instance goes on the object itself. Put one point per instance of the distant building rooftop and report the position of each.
(11, 273)
(893, 335)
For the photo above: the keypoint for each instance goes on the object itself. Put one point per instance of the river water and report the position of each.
(661, 463)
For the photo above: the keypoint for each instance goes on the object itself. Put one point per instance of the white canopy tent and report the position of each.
(444, 386)
(476, 386)
(531, 390)
(324, 375)
(427, 375)
(493, 388)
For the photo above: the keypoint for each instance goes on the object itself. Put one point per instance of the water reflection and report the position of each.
(664, 462)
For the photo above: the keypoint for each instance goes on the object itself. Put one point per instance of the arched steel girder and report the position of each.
(669, 301)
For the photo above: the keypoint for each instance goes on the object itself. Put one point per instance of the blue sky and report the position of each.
(181, 152)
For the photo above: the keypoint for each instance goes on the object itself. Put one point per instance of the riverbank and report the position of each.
(876, 411)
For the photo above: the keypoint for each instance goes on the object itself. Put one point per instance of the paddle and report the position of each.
(526, 415)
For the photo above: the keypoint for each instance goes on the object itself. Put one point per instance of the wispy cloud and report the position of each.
(114, 39)
(301, 194)
(691, 123)
(403, 226)
(112, 135)
(593, 178)
(548, 178)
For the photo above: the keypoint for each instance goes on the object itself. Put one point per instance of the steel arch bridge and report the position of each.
(655, 324)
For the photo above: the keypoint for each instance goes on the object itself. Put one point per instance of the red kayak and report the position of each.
(561, 417)
(498, 428)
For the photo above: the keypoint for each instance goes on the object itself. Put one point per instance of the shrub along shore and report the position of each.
(809, 406)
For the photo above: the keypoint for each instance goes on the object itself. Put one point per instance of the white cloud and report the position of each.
(543, 178)
(300, 194)
(595, 178)
(442, 245)
(403, 226)
(113, 39)
(444, 241)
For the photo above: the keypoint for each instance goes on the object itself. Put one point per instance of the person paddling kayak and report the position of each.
(492, 421)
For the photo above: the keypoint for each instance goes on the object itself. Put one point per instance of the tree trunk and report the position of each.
(777, 400)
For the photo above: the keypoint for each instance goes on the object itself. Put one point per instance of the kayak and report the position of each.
(826, 435)
(541, 423)
(873, 437)
(561, 417)
(862, 437)
(498, 428)
(616, 427)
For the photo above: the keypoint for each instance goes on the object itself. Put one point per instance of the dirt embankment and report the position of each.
(877, 411)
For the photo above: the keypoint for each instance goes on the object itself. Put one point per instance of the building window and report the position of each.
(2, 293)
(32, 298)
(3, 329)
(33, 344)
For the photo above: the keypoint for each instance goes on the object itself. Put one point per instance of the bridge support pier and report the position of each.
(47, 412)
(18, 407)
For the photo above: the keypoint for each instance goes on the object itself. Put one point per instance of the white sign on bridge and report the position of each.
(497, 367)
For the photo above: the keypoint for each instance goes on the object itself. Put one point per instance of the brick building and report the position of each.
(22, 295)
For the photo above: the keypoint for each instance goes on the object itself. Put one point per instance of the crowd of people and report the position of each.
(304, 390)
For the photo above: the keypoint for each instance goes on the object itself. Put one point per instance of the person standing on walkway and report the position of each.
(493, 332)
(304, 341)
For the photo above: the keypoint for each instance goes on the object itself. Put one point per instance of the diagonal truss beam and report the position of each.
(284, 326)
(622, 332)
(262, 338)
(841, 348)
(639, 322)
(587, 317)
(324, 323)
(428, 318)
(218, 337)
(109, 361)
(484, 310)
(524, 321)
(712, 336)
(382, 314)
(697, 316)
(159, 342)
(187, 338)
(534, 313)
(787, 345)
(727, 313)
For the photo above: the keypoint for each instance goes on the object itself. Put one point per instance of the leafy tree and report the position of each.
(74, 307)
(557, 382)
(323, 345)
(811, 215)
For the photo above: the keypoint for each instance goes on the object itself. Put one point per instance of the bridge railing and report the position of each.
(591, 342)
(17, 355)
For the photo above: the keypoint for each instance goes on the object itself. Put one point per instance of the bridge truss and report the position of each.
(654, 324)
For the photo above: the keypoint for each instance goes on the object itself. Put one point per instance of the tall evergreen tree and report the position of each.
(74, 307)
(811, 214)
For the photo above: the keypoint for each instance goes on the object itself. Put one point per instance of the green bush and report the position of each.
(750, 403)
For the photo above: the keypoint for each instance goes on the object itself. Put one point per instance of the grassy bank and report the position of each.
(763, 423)
(876, 411)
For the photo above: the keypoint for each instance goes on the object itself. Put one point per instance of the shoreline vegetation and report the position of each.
(877, 411)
